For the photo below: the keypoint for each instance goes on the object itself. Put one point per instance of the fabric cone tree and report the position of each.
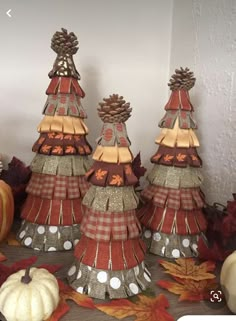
(52, 212)
(109, 258)
(172, 213)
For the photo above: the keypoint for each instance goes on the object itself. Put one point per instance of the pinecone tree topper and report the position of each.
(114, 109)
(182, 79)
(64, 42)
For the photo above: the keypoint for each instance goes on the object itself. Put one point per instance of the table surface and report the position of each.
(76, 313)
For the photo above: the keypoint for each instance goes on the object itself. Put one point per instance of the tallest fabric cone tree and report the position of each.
(52, 212)
(172, 215)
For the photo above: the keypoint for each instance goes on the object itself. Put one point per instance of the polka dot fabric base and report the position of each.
(48, 238)
(102, 284)
(172, 245)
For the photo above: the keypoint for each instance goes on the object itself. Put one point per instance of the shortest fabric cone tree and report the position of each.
(109, 258)
(171, 215)
(53, 210)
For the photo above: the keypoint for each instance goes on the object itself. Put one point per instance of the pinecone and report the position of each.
(182, 79)
(64, 43)
(114, 109)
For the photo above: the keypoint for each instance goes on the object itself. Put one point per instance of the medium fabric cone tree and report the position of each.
(109, 258)
(52, 212)
(172, 212)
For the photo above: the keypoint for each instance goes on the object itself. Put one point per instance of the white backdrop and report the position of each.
(129, 47)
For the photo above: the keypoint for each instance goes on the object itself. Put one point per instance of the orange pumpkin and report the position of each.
(6, 209)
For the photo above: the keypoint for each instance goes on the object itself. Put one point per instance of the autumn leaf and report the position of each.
(194, 158)
(189, 290)
(67, 293)
(144, 309)
(69, 137)
(59, 136)
(57, 150)
(81, 150)
(157, 156)
(11, 240)
(76, 138)
(186, 268)
(70, 149)
(46, 148)
(181, 157)
(51, 135)
(2, 257)
(168, 158)
(116, 180)
(100, 174)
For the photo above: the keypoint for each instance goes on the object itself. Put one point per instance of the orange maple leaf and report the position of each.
(116, 180)
(145, 308)
(194, 158)
(128, 170)
(189, 290)
(67, 293)
(70, 149)
(60, 136)
(181, 157)
(2, 257)
(168, 158)
(51, 135)
(57, 150)
(157, 156)
(100, 174)
(187, 269)
(69, 137)
(46, 148)
(77, 137)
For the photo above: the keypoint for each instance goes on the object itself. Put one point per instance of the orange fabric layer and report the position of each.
(115, 255)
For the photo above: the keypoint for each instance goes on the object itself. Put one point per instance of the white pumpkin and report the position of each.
(29, 295)
(227, 281)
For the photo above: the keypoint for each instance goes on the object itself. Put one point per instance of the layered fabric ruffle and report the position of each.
(114, 134)
(175, 177)
(176, 156)
(64, 85)
(64, 105)
(113, 154)
(116, 284)
(61, 144)
(48, 238)
(106, 174)
(185, 118)
(52, 211)
(179, 99)
(71, 165)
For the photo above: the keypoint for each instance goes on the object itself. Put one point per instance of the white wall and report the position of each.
(124, 49)
(203, 38)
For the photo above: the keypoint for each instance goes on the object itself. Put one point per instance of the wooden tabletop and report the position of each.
(177, 309)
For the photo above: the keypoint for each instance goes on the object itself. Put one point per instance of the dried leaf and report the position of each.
(186, 268)
(145, 309)
(67, 293)
(189, 290)
(168, 158)
(100, 174)
(11, 240)
(181, 157)
(2, 257)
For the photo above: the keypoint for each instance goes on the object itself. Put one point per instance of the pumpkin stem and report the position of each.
(26, 278)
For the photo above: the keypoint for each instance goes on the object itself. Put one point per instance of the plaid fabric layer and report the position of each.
(184, 198)
(52, 212)
(57, 187)
(113, 255)
(106, 226)
(169, 221)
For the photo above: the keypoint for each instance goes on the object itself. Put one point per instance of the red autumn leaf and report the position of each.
(145, 309)
(6, 271)
(189, 290)
(187, 269)
(215, 252)
(2, 257)
(52, 268)
(67, 293)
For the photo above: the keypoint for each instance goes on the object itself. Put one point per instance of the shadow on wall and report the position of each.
(90, 84)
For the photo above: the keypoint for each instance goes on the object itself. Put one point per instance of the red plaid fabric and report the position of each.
(169, 221)
(184, 198)
(57, 187)
(52, 212)
(115, 256)
(105, 226)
